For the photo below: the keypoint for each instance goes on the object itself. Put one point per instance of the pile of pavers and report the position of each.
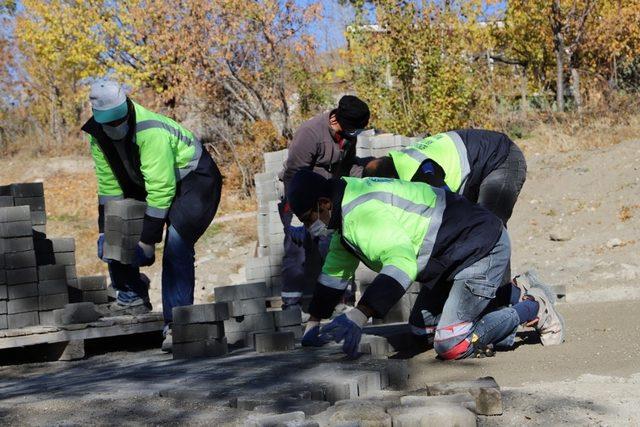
(370, 145)
(89, 289)
(122, 229)
(239, 317)
(36, 272)
(198, 331)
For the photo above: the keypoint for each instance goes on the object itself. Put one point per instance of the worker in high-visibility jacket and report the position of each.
(410, 232)
(484, 166)
(143, 155)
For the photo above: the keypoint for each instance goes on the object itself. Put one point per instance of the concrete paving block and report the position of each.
(81, 312)
(22, 320)
(207, 348)
(462, 399)
(454, 387)
(18, 260)
(71, 271)
(52, 287)
(254, 322)
(283, 406)
(247, 307)
(298, 330)
(52, 272)
(36, 204)
(16, 244)
(274, 341)
(197, 332)
(96, 297)
(6, 201)
(131, 227)
(3, 307)
(4, 292)
(16, 228)
(65, 258)
(38, 218)
(24, 290)
(27, 189)
(243, 338)
(15, 214)
(73, 351)
(4, 323)
(289, 317)
(488, 401)
(440, 415)
(240, 292)
(63, 244)
(358, 413)
(273, 420)
(92, 283)
(126, 209)
(376, 346)
(52, 302)
(398, 373)
(47, 317)
(22, 305)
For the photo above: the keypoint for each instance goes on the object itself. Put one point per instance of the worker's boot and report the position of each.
(549, 324)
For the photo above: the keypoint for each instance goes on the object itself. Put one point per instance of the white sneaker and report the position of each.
(167, 344)
(550, 323)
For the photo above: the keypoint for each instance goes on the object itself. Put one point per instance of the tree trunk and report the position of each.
(559, 80)
(524, 104)
(575, 88)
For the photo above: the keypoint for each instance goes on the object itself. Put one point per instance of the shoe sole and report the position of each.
(135, 303)
(551, 296)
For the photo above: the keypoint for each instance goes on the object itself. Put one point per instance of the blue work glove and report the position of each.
(347, 328)
(101, 247)
(297, 234)
(145, 254)
(312, 337)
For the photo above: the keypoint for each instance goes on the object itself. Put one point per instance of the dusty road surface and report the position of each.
(577, 222)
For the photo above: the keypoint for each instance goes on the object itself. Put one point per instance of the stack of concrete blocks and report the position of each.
(53, 291)
(199, 331)
(60, 251)
(379, 145)
(122, 229)
(27, 194)
(89, 289)
(19, 275)
(289, 320)
(266, 265)
(247, 312)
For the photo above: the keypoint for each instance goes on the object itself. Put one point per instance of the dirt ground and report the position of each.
(577, 222)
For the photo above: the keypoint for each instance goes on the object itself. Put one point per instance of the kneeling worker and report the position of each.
(414, 232)
(143, 155)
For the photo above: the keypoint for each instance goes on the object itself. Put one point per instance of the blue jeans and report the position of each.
(178, 273)
(301, 264)
(464, 315)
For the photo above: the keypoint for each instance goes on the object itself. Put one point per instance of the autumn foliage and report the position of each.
(243, 74)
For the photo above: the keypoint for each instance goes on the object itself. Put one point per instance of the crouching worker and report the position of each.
(145, 156)
(414, 232)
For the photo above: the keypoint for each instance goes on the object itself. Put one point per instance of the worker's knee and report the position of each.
(451, 349)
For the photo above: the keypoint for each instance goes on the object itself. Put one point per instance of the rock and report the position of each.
(612, 243)
(488, 401)
(560, 234)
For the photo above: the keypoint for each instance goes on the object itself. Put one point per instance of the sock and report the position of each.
(508, 294)
(527, 310)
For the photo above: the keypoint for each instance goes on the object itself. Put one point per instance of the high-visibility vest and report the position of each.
(446, 149)
(388, 224)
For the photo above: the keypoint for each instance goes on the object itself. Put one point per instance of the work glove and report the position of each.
(312, 337)
(347, 328)
(297, 234)
(145, 254)
(101, 247)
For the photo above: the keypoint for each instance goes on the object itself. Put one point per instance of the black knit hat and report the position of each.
(305, 188)
(352, 113)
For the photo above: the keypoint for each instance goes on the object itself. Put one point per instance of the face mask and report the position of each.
(116, 132)
(318, 228)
